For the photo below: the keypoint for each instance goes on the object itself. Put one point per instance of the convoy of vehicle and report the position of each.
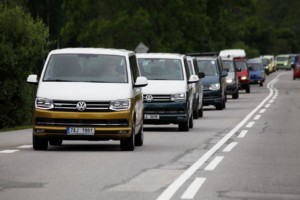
(109, 94)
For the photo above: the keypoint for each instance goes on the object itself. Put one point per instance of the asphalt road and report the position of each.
(249, 151)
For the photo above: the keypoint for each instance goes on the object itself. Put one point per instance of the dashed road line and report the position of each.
(250, 124)
(192, 190)
(229, 147)
(267, 105)
(9, 151)
(257, 117)
(262, 110)
(214, 163)
(242, 134)
(24, 147)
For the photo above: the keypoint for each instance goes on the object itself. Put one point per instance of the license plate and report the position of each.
(80, 131)
(151, 116)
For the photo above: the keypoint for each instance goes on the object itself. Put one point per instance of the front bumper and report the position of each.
(167, 112)
(107, 125)
(212, 97)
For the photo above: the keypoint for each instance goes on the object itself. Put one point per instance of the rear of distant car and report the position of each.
(296, 68)
(257, 71)
(283, 62)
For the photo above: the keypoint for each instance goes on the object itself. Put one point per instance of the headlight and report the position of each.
(244, 78)
(43, 103)
(215, 86)
(118, 105)
(178, 97)
(229, 81)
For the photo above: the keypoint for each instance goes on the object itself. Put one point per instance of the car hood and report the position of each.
(165, 87)
(256, 72)
(207, 80)
(83, 91)
(230, 76)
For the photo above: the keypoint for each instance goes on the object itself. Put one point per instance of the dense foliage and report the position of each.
(22, 47)
(259, 27)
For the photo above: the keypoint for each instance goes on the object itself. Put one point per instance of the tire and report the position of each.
(236, 95)
(55, 142)
(184, 126)
(191, 122)
(200, 112)
(261, 84)
(139, 138)
(195, 114)
(248, 89)
(219, 106)
(127, 144)
(39, 143)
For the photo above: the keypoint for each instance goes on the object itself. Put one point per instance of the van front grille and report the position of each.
(157, 98)
(91, 106)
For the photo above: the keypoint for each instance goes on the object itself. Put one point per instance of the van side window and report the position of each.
(187, 71)
(134, 68)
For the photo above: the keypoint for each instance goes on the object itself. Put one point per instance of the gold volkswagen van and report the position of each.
(88, 94)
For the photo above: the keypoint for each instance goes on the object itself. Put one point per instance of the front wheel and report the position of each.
(248, 89)
(139, 138)
(184, 126)
(128, 143)
(39, 143)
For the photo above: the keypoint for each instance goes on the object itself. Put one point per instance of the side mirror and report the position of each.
(32, 79)
(238, 69)
(224, 73)
(201, 75)
(141, 81)
(193, 79)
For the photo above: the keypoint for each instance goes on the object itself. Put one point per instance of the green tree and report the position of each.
(22, 49)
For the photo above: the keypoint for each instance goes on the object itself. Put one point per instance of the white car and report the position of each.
(168, 98)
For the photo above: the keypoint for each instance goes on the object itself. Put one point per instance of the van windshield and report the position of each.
(241, 65)
(208, 67)
(161, 68)
(86, 68)
(282, 58)
(228, 65)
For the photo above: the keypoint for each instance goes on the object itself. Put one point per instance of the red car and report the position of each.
(296, 68)
(243, 73)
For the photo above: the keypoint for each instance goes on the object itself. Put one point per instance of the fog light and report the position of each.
(122, 132)
(39, 130)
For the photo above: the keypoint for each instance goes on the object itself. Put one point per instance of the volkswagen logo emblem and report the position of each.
(81, 106)
(149, 97)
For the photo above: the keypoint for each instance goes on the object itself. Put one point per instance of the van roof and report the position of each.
(160, 55)
(233, 53)
(121, 52)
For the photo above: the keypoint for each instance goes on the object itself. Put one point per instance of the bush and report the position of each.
(23, 44)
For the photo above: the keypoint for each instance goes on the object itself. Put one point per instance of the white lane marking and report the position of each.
(214, 163)
(262, 110)
(271, 101)
(192, 190)
(24, 147)
(175, 185)
(242, 134)
(9, 151)
(257, 117)
(267, 105)
(250, 124)
(229, 147)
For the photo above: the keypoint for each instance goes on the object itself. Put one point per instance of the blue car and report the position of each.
(257, 71)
